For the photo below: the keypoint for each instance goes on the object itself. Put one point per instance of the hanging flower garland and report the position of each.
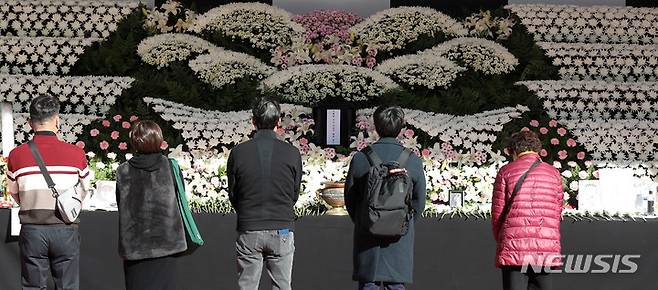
(599, 24)
(309, 84)
(609, 62)
(597, 99)
(222, 67)
(478, 54)
(263, 26)
(160, 50)
(93, 95)
(425, 70)
(62, 18)
(395, 28)
(40, 55)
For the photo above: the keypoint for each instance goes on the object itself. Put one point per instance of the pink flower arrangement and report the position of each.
(106, 123)
(581, 156)
(552, 123)
(80, 144)
(555, 141)
(561, 131)
(543, 153)
(94, 132)
(114, 135)
(562, 154)
(322, 23)
(133, 118)
(543, 130)
(571, 142)
(164, 145)
(117, 118)
(123, 146)
(126, 125)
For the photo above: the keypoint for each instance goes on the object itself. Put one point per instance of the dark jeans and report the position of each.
(513, 279)
(50, 248)
(151, 274)
(379, 285)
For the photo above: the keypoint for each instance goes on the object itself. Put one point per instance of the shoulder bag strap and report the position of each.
(404, 157)
(517, 188)
(42, 167)
(373, 158)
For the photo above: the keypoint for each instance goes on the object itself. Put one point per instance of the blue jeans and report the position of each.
(378, 286)
(50, 249)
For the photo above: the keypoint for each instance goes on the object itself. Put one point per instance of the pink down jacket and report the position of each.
(531, 232)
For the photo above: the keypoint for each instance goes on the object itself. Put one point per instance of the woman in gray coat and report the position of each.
(381, 262)
(151, 229)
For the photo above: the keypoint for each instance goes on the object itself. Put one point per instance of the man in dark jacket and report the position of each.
(264, 177)
(377, 261)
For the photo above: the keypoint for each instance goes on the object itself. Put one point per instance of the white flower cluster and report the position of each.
(92, 95)
(430, 71)
(160, 50)
(221, 67)
(62, 18)
(476, 181)
(204, 129)
(395, 28)
(597, 24)
(40, 55)
(261, 25)
(71, 126)
(616, 140)
(597, 99)
(609, 62)
(475, 132)
(478, 54)
(310, 84)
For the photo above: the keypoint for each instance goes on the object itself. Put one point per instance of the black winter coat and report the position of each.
(375, 259)
(150, 223)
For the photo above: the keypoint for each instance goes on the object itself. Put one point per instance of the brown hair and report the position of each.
(146, 137)
(524, 141)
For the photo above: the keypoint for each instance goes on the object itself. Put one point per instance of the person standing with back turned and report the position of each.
(264, 178)
(526, 210)
(47, 243)
(383, 261)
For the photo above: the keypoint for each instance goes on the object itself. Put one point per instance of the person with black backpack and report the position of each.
(384, 195)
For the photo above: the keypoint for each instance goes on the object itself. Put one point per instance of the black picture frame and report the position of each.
(347, 119)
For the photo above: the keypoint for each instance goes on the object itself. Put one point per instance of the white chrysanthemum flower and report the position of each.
(312, 83)
(162, 49)
(425, 70)
(221, 67)
(397, 27)
(478, 54)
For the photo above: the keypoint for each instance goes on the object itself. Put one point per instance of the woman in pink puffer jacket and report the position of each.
(526, 227)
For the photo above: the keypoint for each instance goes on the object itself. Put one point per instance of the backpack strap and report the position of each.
(373, 158)
(404, 157)
(517, 188)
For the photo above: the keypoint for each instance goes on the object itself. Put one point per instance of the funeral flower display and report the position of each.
(583, 24)
(477, 54)
(169, 17)
(485, 25)
(395, 28)
(425, 70)
(40, 55)
(162, 49)
(262, 26)
(62, 18)
(309, 84)
(609, 62)
(71, 126)
(221, 67)
(93, 95)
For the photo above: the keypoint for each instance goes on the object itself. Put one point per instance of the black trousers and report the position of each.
(53, 249)
(514, 279)
(151, 274)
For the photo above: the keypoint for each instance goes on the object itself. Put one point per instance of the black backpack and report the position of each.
(386, 209)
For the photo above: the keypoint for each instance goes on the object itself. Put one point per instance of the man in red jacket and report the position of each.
(526, 210)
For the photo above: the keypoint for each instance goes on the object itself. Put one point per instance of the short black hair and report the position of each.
(43, 108)
(524, 141)
(266, 113)
(146, 137)
(389, 120)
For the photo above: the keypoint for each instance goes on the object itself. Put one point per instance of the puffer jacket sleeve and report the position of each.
(498, 202)
(560, 192)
